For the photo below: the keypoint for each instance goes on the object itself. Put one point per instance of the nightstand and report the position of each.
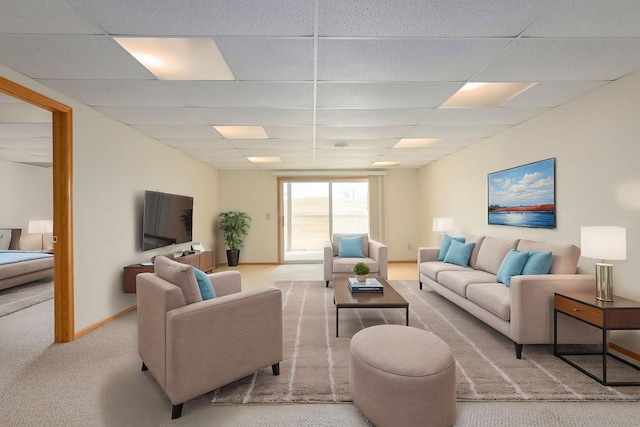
(620, 314)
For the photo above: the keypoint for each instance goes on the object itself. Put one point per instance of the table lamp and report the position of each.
(604, 242)
(41, 226)
(442, 224)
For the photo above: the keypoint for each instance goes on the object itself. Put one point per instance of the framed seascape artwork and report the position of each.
(524, 196)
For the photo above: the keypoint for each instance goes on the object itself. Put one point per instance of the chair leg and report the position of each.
(276, 369)
(327, 284)
(144, 367)
(420, 285)
(176, 411)
(518, 351)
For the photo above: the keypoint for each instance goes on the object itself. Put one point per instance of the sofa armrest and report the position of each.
(215, 342)
(428, 254)
(532, 303)
(328, 260)
(379, 253)
(226, 282)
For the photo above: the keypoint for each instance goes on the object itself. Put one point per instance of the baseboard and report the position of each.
(102, 322)
(412, 261)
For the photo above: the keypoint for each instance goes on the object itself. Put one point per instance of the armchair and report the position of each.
(191, 349)
(375, 256)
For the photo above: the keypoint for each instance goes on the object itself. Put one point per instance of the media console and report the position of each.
(201, 260)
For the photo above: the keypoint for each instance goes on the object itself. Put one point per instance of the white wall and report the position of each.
(402, 214)
(112, 166)
(594, 140)
(26, 192)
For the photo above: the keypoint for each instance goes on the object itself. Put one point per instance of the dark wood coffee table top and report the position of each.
(344, 298)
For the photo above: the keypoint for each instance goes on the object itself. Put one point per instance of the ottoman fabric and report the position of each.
(402, 376)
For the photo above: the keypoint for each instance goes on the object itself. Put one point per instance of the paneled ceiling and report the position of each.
(316, 74)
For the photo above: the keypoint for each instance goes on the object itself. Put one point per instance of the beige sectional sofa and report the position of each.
(524, 311)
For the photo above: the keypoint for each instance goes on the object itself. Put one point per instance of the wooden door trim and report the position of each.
(62, 136)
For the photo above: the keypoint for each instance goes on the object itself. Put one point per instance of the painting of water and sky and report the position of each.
(523, 196)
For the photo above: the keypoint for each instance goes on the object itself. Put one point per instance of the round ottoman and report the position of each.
(402, 376)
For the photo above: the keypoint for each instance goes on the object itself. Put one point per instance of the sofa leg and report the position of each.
(144, 367)
(176, 411)
(276, 369)
(420, 285)
(327, 284)
(518, 351)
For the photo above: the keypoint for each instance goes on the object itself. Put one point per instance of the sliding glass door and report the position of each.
(312, 210)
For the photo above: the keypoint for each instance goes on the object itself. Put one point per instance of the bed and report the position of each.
(19, 267)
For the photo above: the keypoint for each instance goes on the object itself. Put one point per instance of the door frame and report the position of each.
(62, 146)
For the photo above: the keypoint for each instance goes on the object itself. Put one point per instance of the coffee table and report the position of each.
(344, 298)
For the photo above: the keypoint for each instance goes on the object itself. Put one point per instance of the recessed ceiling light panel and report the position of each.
(264, 159)
(385, 164)
(242, 132)
(486, 95)
(416, 142)
(178, 58)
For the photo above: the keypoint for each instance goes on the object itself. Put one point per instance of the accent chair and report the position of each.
(346, 249)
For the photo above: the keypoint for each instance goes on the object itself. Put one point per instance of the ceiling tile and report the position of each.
(564, 59)
(201, 17)
(279, 58)
(361, 132)
(552, 94)
(256, 116)
(481, 116)
(371, 117)
(153, 115)
(177, 131)
(404, 59)
(44, 17)
(454, 131)
(385, 95)
(420, 18)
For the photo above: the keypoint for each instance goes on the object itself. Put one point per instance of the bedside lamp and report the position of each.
(604, 242)
(442, 224)
(41, 226)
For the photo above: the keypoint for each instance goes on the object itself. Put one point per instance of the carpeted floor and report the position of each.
(315, 366)
(20, 297)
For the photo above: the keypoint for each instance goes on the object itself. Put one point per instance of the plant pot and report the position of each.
(361, 277)
(233, 255)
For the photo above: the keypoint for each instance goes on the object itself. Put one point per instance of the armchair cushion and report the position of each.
(206, 290)
(350, 247)
(181, 275)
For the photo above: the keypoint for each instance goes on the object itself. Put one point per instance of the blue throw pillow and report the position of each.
(511, 266)
(459, 253)
(446, 243)
(350, 247)
(537, 263)
(206, 289)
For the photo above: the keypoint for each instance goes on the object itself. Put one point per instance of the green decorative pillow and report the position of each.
(206, 289)
(446, 243)
(537, 263)
(459, 253)
(512, 265)
(350, 247)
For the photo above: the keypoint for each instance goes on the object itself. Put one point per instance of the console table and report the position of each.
(619, 314)
(200, 260)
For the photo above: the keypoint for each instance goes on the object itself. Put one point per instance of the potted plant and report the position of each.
(234, 225)
(361, 270)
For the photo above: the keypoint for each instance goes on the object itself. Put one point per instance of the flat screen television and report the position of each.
(166, 220)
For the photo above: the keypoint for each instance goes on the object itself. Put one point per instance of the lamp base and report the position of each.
(604, 282)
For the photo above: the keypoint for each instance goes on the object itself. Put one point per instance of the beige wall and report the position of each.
(26, 192)
(256, 193)
(113, 165)
(594, 140)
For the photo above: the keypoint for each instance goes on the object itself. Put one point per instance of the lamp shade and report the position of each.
(41, 226)
(604, 242)
(441, 223)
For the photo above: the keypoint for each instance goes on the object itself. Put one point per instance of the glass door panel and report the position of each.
(306, 220)
(350, 207)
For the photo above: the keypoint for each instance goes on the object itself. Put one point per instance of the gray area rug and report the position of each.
(20, 297)
(316, 363)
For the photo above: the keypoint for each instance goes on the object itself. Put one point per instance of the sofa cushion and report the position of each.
(493, 297)
(345, 265)
(365, 242)
(446, 243)
(564, 257)
(457, 281)
(512, 265)
(432, 269)
(350, 247)
(206, 288)
(473, 259)
(181, 275)
(492, 252)
(459, 253)
(537, 263)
